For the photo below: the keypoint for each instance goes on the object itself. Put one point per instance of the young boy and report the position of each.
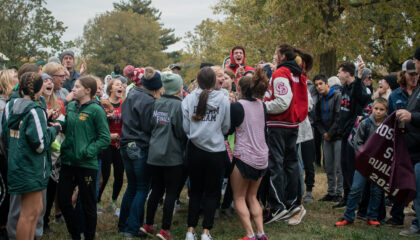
(327, 119)
(366, 128)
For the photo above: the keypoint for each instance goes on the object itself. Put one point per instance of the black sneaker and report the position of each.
(341, 204)
(327, 198)
(291, 211)
(274, 215)
(337, 198)
(392, 223)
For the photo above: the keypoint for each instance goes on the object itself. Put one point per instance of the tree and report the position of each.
(122, 37)
(27, 29)
(384, 32)
(142, 7)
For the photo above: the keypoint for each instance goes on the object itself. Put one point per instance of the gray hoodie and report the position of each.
(207, 134)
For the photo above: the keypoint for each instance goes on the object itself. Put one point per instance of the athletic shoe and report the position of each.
(412, 231)
(128, 235)
(308, 198)
(190, 236)
(262, 237)
(164, 235)
(275, 214)
(291, 211)
(206, 237)
(149, 230)
(392, 223)
(374, 223)
(247, 238)
(327, 198)
(337, 198)
(343, 222)
(341, 204)
(295, 220)
(117, 212)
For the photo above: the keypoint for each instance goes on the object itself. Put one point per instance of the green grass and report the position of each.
(317, 224)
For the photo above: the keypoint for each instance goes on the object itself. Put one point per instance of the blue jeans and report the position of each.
(355, 195)
(138, 185)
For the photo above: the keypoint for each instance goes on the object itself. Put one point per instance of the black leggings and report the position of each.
(51, 190)
(164, 180)
(112, 155)
(205, 172)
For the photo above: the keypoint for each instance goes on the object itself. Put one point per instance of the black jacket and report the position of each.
(327, 114)
(354, 99)
(137, 110)
(412, 137)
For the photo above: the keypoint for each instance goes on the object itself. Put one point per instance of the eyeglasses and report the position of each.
(413, 74)
(370, 77)
(60, 76)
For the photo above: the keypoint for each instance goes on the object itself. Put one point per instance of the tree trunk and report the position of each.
(328, 63)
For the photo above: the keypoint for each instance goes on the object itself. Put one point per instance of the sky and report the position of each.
(182, 15)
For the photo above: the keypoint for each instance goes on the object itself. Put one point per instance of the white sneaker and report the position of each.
(190, 236)
(206, 237)
(412, 231)
(292, 211)
(295, 220)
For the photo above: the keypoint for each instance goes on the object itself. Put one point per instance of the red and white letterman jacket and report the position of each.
(286, 98)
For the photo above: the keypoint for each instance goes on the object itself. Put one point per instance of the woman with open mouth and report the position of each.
(57, 110)
(112, 155)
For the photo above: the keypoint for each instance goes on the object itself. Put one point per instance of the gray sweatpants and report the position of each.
(332, 158)
(14, 212)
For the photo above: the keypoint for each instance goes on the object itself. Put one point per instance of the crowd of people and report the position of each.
(253, 133)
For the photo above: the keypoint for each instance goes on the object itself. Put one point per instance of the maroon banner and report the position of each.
(385, 161)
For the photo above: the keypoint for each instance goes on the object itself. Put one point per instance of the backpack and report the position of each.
(353, 132)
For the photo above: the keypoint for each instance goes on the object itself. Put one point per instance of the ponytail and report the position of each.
(206, 79)
(255, 86)
(30, 84)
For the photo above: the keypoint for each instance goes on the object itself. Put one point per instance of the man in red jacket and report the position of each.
(287, 105)
(237, 62)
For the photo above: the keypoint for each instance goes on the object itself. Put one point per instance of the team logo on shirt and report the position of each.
(83, 116)
(281, 88)
(161, 117)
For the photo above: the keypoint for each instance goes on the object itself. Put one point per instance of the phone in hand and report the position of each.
(359, 58)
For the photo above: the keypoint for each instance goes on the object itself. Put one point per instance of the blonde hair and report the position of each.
(217, 69)
(52, 99)
(52, 67)
(6, 82)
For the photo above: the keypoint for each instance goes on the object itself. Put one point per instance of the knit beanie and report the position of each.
(128, 72)
(417, 54)
(171, 83)
(54, 59)
(151, 79)
(71, 53)
(392, 81)
(46, 76)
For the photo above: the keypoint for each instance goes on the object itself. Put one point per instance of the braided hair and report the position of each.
(30, 84)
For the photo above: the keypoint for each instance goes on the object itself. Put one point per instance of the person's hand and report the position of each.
(403, 115)
(56, 114)
(115, 136)
(361, 67)
(70, 97)
(50, 112)
(83, 68)
(232, 97)
(58, 125)
(326, 137)
(66, 72)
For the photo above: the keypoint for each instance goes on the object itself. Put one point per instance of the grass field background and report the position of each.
(317, 224)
